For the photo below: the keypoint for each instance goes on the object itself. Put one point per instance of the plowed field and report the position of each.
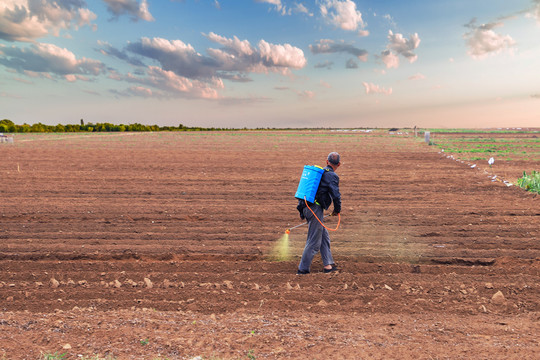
(155, 246)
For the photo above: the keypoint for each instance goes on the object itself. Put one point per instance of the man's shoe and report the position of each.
(302, 272)
(334, 268)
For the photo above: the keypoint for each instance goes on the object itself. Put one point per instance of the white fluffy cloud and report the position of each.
(185, 71)
(483, 41)
(281, 56)
(403, 46)
(137, 11)
(390, 59)
(376, 89)
(46, 59)
(27, 20)
(176, 56)
(398, 45)
(235, 56)
(240, 47)
(342, 14)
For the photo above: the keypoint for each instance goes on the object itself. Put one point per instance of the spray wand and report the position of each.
(288, 231)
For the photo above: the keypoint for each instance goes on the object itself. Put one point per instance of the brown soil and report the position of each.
(155, 246)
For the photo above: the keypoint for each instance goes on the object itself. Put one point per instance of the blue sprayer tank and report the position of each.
(309, 183)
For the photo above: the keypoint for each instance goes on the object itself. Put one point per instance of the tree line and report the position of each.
(8, 126)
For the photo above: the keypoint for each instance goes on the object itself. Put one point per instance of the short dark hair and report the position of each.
(333, 158)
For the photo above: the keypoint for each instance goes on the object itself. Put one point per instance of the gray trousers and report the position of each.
(317, 240)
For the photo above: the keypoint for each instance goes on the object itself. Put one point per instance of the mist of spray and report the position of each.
(280, 252)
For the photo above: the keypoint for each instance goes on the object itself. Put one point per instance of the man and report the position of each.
(317, 237)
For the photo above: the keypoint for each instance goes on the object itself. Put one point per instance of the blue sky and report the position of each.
(271, 63)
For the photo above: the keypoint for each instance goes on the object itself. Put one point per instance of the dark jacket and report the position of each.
(327, 192)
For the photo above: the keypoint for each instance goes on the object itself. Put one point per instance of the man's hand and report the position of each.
(334, 213)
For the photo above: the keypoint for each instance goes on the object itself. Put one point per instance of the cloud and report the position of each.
(27, 20)
(302, 9)
(239, 78)
(363, 33)
(342, 14)
(325, 84)
(326, 46)
(240, 55)
(351, 64)
(398, 45)
(74, 77)
(279, 6)
(390, 20)
(201, 76)
(483, 41)
(284, 56)
(390, 59)
(137, 11)
(417, 77)
(45, 59)
(535, 11)
(375, 89)
(176, 56)
(305, 94)
(140, 91)
(170, 84)
(324, 65)
(24, 81)
(402, 46)
(107, 49)
(235, 56)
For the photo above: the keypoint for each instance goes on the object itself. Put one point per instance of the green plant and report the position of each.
(144, 342)
(530, 182)
(55, 356)
(251, 355)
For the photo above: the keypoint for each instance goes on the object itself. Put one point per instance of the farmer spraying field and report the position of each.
(312, 210)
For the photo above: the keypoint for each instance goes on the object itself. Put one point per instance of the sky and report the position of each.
(272, 63)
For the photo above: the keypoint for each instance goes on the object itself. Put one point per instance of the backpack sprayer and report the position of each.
(307, 189)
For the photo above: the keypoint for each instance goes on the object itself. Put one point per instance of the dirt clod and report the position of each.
(498, 298)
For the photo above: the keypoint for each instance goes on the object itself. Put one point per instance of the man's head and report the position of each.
(333, 160)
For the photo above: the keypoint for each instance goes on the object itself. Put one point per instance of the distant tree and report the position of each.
(39, 127)
(82, 122)
(59, 128)
(24, 128)
(7, 122)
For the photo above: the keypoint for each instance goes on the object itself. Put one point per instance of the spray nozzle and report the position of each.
(288, 231)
